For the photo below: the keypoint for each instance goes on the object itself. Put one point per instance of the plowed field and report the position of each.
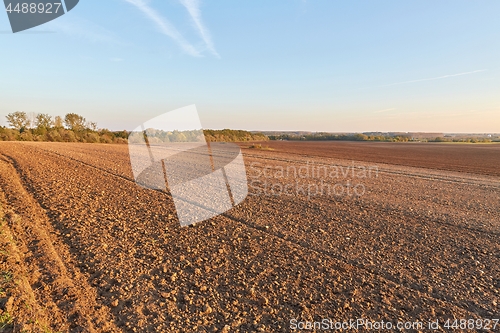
(384, 232)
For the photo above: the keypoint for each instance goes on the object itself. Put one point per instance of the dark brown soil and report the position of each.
(100, 254)
(473, 158)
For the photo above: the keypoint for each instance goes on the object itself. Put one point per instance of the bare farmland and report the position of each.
(97, 253)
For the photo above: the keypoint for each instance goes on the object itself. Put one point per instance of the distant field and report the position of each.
(473, 158)
(96, 253)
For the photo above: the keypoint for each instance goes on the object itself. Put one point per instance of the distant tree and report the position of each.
(17, 120)
(360, 137)
(58, 122)
(91, 125)
(26, 136)
(68, 136)
(177, 137)
(7, 134)
(43, 120)
(123, 134)
(74, 122)
(55, 135)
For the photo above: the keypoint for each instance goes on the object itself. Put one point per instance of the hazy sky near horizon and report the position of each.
(263, 65)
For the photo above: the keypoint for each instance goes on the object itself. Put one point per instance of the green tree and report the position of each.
(92, 125)
(74, 121)
(360, 137)
(58, 122)
(177, 137)
(43, 120)
(18, 120)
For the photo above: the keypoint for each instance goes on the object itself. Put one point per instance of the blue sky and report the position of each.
(263, 65)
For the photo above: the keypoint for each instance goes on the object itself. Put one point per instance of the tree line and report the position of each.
(43, 127)
(382, 138)
(225, 135)
(75, 128)
(341, 137)
(228, 135)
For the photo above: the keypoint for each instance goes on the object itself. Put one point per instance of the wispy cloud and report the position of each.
(385, 110)
(433, 78)
(193, 8)
(81, 28)
(165, 26)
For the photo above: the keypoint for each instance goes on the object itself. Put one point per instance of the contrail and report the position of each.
(433, 78)
(386, 110)
(165, 26)
(193, 7)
